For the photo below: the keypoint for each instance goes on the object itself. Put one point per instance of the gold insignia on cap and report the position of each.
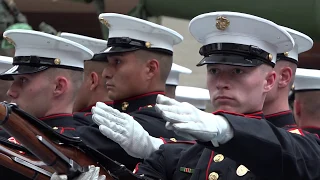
(286, 54)
(148, 44)
(105, 22)
(242, 170)
(9, 40)
(173, 139)
(270, 57)
(213, 176)
(218, 158)
(57, 61)
(222, 23)
(55, 128)
(124, 106)
(149, 106)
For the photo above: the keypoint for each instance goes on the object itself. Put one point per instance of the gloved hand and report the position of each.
(192, 123)
(124, 130)
(92, 174)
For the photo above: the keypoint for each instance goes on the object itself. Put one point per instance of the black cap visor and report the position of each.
(230, 59)
(20, 70)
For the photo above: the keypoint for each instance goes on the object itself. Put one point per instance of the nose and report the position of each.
(12, 92)
(107, 72)
(223, 81)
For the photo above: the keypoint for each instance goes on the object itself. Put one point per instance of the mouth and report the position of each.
(222, 98)
(109, 86)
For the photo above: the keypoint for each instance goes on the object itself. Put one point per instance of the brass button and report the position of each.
(57, 61)
(55, 128)
(124, 106)
(242, 170)
(218, 158)
(148, 44)
(213, 176)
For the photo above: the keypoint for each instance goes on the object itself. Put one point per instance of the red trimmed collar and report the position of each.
(132, 104)
(55, 116)
(138, 97)
(278, 113)
(254, 115)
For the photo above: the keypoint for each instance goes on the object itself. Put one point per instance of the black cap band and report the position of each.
(282, 56)
(36, 61)
(126, 44)
(251, 54)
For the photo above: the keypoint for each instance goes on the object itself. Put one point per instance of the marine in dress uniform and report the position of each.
(93, 88)
(285, 117)
(94, 65)
(198, 97)
(307, 89)
(5, 64)
(37, 52)
(173, 79)
(127, 35)
(257, 149)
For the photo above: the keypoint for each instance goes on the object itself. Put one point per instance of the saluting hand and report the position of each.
(124, 130)
(192, 123)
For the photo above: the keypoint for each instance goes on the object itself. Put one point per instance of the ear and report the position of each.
(61, 85)
(285, 76)
(297, 110)
(270, 80)
(153, 67)
(94, 80)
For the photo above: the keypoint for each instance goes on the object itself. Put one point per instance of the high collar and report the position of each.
(255, 115)
(281, 119)
(59, 120)
(312, 129)
(134, 103)
(88, 109)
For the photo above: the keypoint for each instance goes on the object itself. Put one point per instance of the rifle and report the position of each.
(66, 155)
(20, 160)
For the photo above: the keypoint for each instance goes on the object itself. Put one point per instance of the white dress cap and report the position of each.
(193, 95)
(5, 63)
(173, 78)
(261, 37)
(307, 79)
(94, 44)
(36, 51)
(303, 43)
(127, 33)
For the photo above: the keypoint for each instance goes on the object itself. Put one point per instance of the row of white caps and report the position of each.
(209, 28)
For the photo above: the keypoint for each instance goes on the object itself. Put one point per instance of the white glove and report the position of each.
(92, 174)
(124, 130)
(192, 123)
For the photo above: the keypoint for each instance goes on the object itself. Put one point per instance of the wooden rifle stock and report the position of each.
(64, 159)
(26, 165)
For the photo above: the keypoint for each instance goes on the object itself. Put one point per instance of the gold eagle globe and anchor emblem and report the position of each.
(125, 105)
(222, 23)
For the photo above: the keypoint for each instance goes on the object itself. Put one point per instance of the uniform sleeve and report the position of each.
(162, 163)
(272, 152)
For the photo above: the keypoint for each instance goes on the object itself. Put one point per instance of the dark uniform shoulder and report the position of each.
(84, 118)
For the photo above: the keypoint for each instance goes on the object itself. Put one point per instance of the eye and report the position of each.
(117, 61)
(237, 71)
(213, 71)
(23, 80)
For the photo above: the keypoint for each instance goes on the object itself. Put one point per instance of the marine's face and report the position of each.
(235, 88)
(31, 93)
(124, 76)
